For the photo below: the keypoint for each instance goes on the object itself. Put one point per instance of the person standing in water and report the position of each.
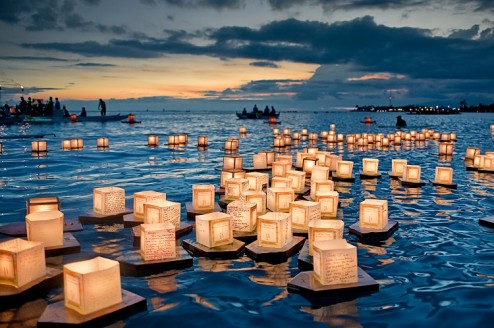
(102, 107)
(400, 122)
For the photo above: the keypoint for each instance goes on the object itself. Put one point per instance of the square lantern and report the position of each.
(324, 158)
(373, 214)
(444, 175)
(296, 135)
(108, 200)
(286, 132)
(203, 197)
(320, 185)
(21, 262)
(232, 162)
(276, 132)
(300, 157)
(370, 166)
(257, 180)
(274, 230)
(160, 211)
(92, 285)
(39, 204)
(279, 199)
(279, 169)
(298, 180)
(269, 156)
(285, 159)
(231, 144)
(385, 142)
(66, 145)
(478, 161)
(229, 174)
(183, 138)
(471, 152)
(158, 241)
(398, 166)
(488, 162)
(76, 143)
(102, 142)
(244, 215)
(281, 182)
(202, 141)
(313, 137)
(257, 197)
(302, 212)
(153, 140)
(142, 197)
(319, 173)
(242, 130)
(334, 162)
(344, 169)
(445, 148)
(335, 262)
(234, 187)
(329, 203)
(45, 226)
(39, 146)
(173, 139)
(411, 173)
(214, 229)
(260, 161)
(305, 132)
(350, 139)
(308, 163)
(320, 230)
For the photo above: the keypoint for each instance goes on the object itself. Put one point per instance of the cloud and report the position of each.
(468, 34)
(264, 64)
(95, 65)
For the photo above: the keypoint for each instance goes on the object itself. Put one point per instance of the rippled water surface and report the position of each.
(436, 270)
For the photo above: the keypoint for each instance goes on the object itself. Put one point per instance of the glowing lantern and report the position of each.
(108, 200)
(452, 136)
(279, 142)
(173, 140)
(320, 230)
(331, 138)
(397, 167)
(257, 197)
(234, 187)
(183, 138)
(308, 163)
(39, 146)
(332, 127)
(45, 226)
(296, 136)
(320, 185)
(279, 199)
(335, 262)
(478, 161)
(311, 150)
(153, 140)
(446, 148)
(242, 130)
(21, 262)
(444, 175)
(445, 137)
(304, 132)
(231, 144)
(350, 139)
(385, 142)
(286, 132)
(244, 215)
(158, 241)
(324, 158)
(102, 142)
(214, 229)
(285, 159)
(371, 138)
(66, 145)
(232, 162)
(313, 136)
(411, 173)
(73, 118)
(76, 143)
(131, 118)
(408, 136)
(319, 173)
(202, 141)
(471, 152)
(373, 214)
(257, 180)
(274, 230)
(276, 132)
(161, 211)
(370, 166)
(142, 197)
(269, 156)
(228, 174)
(362, 142)
(302, 212)
(202, 197)
(272, 120)
(300, 157)
(281, 182)
(92, 285)
(39, 204)
(324, 135)
(436, 136)
(298, 180)
(260, 161)
(287, 140)
(488, 163)
(329, 203)
(340, 137)
(344, 169)
(334, 162)
(279, 169)
(397, 140)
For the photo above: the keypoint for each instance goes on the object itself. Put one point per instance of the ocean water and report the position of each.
(436, 270)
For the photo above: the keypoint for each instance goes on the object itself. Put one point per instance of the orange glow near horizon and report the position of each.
(377, 76)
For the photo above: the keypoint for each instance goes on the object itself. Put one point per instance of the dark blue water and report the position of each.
(436, 270)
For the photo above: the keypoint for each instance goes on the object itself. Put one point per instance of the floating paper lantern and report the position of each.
(231, 144)
(344, 169)
(286, 132)
(287, 140)
(274, 230)
(408, 136)
(202, 141)
(142, 197)
(445, 137)
(373, 214)
(228, 174)
(183, 138)
(131, 118)
(285, 159)
(436, 136)
(296, 135)
(370, 166)
(173, 140)
(329, 203)
(319, 173)
(161, 211)
(362, 142)
(158, 241)
(371, 138)
(308, 163)
(302, 212)
(320, 230)
(411, 173)
(281, 182)
(446, 148)
(478, 161)
(102, 142)
(39, 146)
(244, 215)
(444, 175)
(92, 285)
(313, 136)
(324, 135)
(214, 229)
(471, 152)
(278, 142)
(279, 169)
(488, 163)
(232, 162)
(397, 140)
(332, 126)
(66, 145)
(153, 140)
(335, 262)
(203, 197)
(279, 199)
(39, 204)
(242, 130)
(340, 137)
(45, 226)
(260, 161)
(257, 180)
(269, 156)
(234, 187)
(298, 180)
(452, 136)
(108, 200)
(76, 143)
(257, 197)
(276, 132)
(311, 150)
(324, 158)
(385, 142)
(304, 132)
(397, 167)
(320, 185)
(331, 138)
(334, 161)
(350, 139)
(21, 262)
(300, 157)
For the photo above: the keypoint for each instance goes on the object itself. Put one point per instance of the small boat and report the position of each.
(255, 116)
(74, 118)
(9, 120)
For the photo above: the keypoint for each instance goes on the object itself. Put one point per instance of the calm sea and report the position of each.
(436, 270)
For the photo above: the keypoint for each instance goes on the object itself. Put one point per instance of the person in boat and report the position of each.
(102, 107)
(266, 110)
(400, 122)
(57, 104)
(273, 111)
(255, 109)
(49, 107)
(65, 112)
(23, 105)
(244, 111)
(83, 112)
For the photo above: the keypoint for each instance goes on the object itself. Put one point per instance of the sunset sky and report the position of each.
(307, 54)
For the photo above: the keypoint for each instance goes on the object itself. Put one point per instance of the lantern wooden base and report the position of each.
(231, 251)
(91, 217)
(132, 264)
(70, 246)
(219, 191)
(253, 169)
(304, 261)
(191, 213)
(184, 229)
(129, 221)
(274, 255)
(335, 177)
(303, 192)
(369, 176)
(445, 185)
(223, 203)
(10, 295)
(245, 236)
(57, 315)
(18, 229)
(300, 232)
(487, 222)
(305, 284)
(373, 234)
(485, 171)
(411, 184)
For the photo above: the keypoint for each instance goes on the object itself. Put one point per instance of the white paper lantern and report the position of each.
(373, 214)
(320, 185)
(66, 145)
(203, 197)
(158, 241)
(274, 230)
(279, 199)
(257, 180)
(142, 197)
(161, 211)
(329, 203)
(232, 162)
(335, 262)
(398, 166)
(244, 215)
(39, 204)
(260, 161)
(45, 226)
(320, 230)
(257, 197)
(344, 169)
(319, 173)
(446, 148)
(234, 187)
(411, 173)
(302, 212)
(39, 146)
(76, 143)
(214, 229)
(102, 142)
(229, 174)
(279, 169)
(370, 166)
(202, 141)
(298, 180)
(444, 175)
(471, 152)
(153, 140)
(108, 200)
(308, 163)
(300, 157)
(334, 162)
(281, 182)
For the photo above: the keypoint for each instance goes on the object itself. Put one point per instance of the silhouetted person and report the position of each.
(83, 112)
(57, 104)
(400, 122)
(102, 107)
(255, 109)
(23, 105)
(266, 110)
(273, 111)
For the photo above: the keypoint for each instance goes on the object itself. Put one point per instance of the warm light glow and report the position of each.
(373, 214)
(320, 185)
(173, 140)
(334, 162)
(108, 200)
(445, 148)
(304, 132)
(279, 169)
(324, 158)
(231, 144)
(257, 197)
(444, 175)
(260, 161)
(214, 229)
(370, 166)
(228, 174)
(202, 141)
(397, 166)
(142, 197)
(279, 199)
(161, 211)
(39, 146)
(66, 145)
(411, 173)
(308, 163)
(471, 152)
(102, 142)
(232, 162)
(329, 203)
(297, 180)
(302, 212)
(335, 262)
(257, 180)
(234, 187)
(320, 230)
(313, 136)
(279, 142)
(344, 169)
(203, 197)
(45, 226)
(158, 241)
(296, 136)
(300, 157)
(350, 139)
(244, 215)
(281, 182)
(242, 130)
(39, 204)
(153, 140)
(286, 132)
(274, 230)
(76, 143)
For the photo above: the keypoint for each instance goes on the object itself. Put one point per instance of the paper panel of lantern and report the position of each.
(279, 142)
(279, 169)
(269, 156)
(21, 262)
(244, 215)
(66, 145)
(411, 173)
(45, 226)
(202, 141)
(76, 143)
(257, 197)
(320, 185)
(444, 175)
(488, 163)
(153, 140)
(38, 204)
(108, 200)
(329, 203)
(285, 159)
(344, 169)
(142, 197)
(234, 187)
(161, 211)
(232, 162)
(373, 214)
(320, 173)
(446, 148)
(39, 146)
(370, 166)
(274, 230)
(279, 199)
(260, 161)
(202, 197)
(303, 211)
(471, 152)
(229, 174)
(257, 180)
(300, 157)
(308, 163)
(214, 229)
(335, 262)
(102, 142)
(320, 230)
(158, 241)
(298, 180)
(281, 182)
(324, 158)
(478, 161)
(398, 166)
(92, 285)
(334, 162)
